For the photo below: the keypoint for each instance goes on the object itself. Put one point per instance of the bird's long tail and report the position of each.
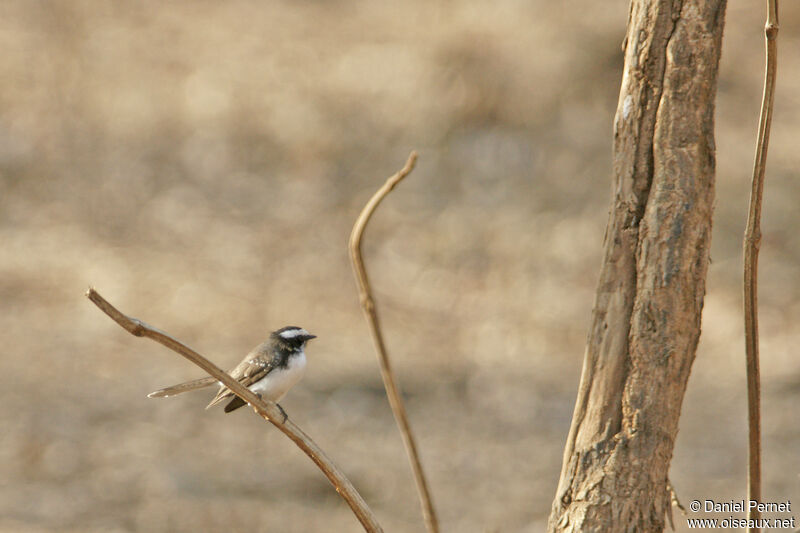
(183, 387)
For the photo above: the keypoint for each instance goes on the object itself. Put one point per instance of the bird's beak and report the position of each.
(310, 336)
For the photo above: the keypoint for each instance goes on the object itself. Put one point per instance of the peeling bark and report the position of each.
(646, 318)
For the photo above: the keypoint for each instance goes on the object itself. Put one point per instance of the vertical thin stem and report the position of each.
(752, 241)
(370, 313)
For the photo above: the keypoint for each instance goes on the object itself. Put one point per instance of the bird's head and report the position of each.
(292, 336)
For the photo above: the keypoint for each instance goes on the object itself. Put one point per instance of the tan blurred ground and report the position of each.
(201, 163)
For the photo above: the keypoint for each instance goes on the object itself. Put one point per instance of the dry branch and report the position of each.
(268, 410)
(752, 241)
(389, 381)
(649, 298)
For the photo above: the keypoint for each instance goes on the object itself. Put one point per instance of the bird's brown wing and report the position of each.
(249, 371)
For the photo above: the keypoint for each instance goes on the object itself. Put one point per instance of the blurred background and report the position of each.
(201, 164)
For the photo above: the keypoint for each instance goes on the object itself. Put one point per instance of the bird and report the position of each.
(269, 370)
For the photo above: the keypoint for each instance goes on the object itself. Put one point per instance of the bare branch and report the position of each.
(752, 242)
(648, 304)
(389, 381)
(267, 409)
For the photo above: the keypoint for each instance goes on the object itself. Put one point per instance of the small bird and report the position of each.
(269, 370)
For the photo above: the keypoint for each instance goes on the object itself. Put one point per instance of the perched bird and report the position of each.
(269, 370)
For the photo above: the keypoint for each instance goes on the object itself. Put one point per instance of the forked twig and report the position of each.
(752, 242)
(268, 410)
(389, 381)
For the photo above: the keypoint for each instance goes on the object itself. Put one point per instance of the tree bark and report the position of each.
(646, 317)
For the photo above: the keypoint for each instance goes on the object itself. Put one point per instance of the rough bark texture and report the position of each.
(646, 318)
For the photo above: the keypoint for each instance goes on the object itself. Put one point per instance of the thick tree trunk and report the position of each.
(646, 319)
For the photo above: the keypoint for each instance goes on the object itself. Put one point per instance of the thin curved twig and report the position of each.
(389, 381)
(268, 410)
(752, 242)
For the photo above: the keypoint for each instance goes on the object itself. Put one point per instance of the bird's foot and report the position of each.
(285, 416)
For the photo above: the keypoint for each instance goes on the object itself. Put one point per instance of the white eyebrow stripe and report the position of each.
(292, 333)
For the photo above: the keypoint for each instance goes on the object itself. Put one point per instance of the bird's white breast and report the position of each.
(280, 380)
